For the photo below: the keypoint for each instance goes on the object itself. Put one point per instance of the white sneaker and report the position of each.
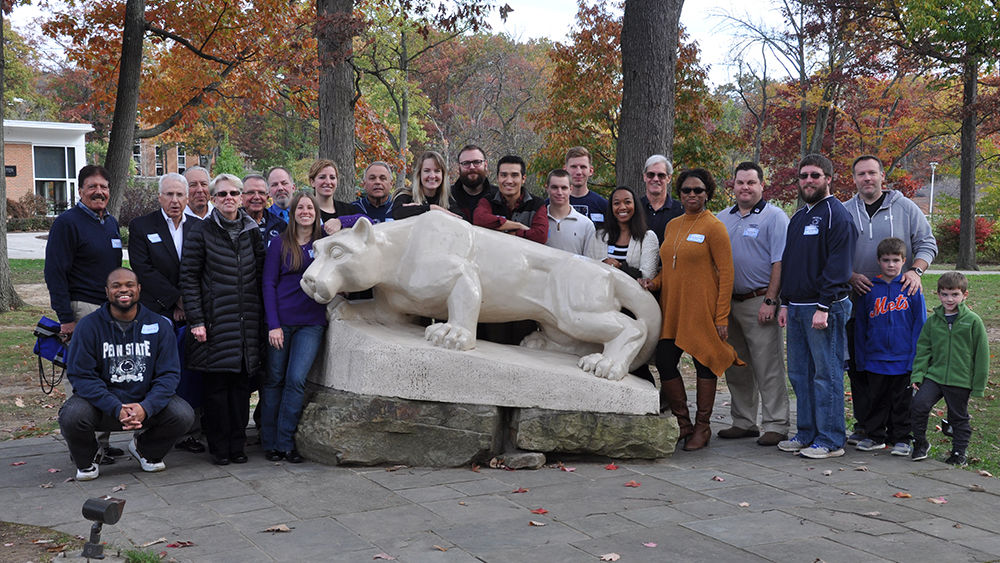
(819, 452)
(89, 473)
(790, 445)
(148, 466)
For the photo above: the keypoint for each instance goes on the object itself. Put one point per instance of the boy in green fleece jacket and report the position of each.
(952, 361)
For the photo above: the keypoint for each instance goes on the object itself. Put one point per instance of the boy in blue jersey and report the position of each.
(887, 326)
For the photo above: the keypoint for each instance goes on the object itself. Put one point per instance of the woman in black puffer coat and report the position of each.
(221, 265)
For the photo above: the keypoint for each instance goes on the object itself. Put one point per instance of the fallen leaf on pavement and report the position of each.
(977, 488)
(851, 493)
(984, 473)
(496, 463)
(57, 548)
(570, 469)
(462, 502)
(8, 545)
(649, 544)
(16, 463)
(41, 541)
(475, 468)
(717, 478)
(395, 468)
(743, 504)
(385, 556)
(632, 484)
(519, 490)
(18, 402)
(69, 479)
(439, 548)
(278, 528)
(902, 495)
(539, 511)
(827, 472)
(46, 485)
(956, 525)
(154, 542)
(179, 544)
(873, 514)
(610, 557)
(120, 487)
(54, 470)
(610, 467)
(938, 500)
(861, 468)
(535, 523)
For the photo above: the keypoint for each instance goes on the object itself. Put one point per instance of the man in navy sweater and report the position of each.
(815, 305)
(124, 368)
(83, 247)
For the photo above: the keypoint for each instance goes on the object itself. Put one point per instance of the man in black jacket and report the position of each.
(472, 184)
(155, 244)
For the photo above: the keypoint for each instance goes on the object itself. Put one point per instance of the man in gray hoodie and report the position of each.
(880, 214)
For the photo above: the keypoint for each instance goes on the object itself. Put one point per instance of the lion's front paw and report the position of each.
(535, 341)
(602, 366)
(450, 336)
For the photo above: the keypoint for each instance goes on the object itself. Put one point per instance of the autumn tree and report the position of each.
(649, 59)
(9, 299)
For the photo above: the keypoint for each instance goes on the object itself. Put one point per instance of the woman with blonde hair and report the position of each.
(334, 214)
(428, 189)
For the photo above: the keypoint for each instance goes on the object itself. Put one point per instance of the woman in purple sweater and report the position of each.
(295, 324)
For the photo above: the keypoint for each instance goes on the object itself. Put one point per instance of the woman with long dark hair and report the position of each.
(296, 325)
(632, 248)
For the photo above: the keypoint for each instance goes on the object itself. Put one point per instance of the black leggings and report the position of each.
(668, 355)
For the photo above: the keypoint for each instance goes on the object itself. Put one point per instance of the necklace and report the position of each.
(678, 236)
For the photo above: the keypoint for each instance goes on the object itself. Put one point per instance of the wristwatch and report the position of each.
(917, 270)
(769, 301)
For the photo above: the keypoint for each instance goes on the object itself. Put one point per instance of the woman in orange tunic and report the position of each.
(696, 284)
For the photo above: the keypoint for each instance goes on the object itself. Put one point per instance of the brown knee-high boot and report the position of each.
(703, 418)
(674, 397)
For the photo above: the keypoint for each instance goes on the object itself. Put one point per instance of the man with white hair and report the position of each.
(155, 244)
(660, 208)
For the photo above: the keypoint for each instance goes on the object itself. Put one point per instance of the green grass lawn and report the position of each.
(24, 270)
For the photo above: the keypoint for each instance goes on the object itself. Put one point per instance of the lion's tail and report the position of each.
(646, 310)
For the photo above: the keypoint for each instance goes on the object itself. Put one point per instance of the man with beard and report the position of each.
(281, 186)
(472, 184)
(199, 203)
(255, 204)
(815, 305)
(124, 368)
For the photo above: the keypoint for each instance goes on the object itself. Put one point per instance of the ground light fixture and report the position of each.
(100, 511)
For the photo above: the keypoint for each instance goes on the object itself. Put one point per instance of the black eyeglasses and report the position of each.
(471, 163)
(660, 175)
(813, 175)
(696, 191)
(234, 193)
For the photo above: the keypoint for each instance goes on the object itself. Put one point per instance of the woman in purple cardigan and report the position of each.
(296, 325)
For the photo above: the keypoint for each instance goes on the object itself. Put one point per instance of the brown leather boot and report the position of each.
(674, 397)
(703, 418)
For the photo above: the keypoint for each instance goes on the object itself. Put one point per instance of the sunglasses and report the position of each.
(660, 175)
(697, 191)
(813, 175)
(234, 193)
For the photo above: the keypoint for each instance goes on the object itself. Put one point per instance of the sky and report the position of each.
(702, 18)
(555, 18)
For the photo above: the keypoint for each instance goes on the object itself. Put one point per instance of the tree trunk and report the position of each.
(334, 34)
(9, 299)
(123, 124)
(967, 181)
(649, 61)
(404, 109)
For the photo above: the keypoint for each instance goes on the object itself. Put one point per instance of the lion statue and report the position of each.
(439, 266)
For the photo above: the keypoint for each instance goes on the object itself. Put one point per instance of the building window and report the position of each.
(159, 160)
(137, 157)
(181, 159)
(55, 168)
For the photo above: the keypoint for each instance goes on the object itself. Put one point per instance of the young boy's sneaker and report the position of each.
(856, 437)
(791, 445)
(148, 465)
(946, 428)
(819, 452)
(920, 450)
(902, 449)
(88, 473)
(869, 445)
(957, 458)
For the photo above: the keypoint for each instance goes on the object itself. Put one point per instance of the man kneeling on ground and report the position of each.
(124, 369)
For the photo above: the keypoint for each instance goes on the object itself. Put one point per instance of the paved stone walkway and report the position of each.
(734, 501)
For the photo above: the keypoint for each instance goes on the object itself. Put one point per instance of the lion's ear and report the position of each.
(363, 229)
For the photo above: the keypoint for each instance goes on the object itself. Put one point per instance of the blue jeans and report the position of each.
(284, 387)
(816, 371)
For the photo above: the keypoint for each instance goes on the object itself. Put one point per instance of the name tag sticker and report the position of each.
(695, 237)
(116, 243)
(154, 237)
(150, 329)
(810, 230)
(751, 232)
(597, 217)
(312, 253)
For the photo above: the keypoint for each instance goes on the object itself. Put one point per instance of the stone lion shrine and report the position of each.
(390, 391)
